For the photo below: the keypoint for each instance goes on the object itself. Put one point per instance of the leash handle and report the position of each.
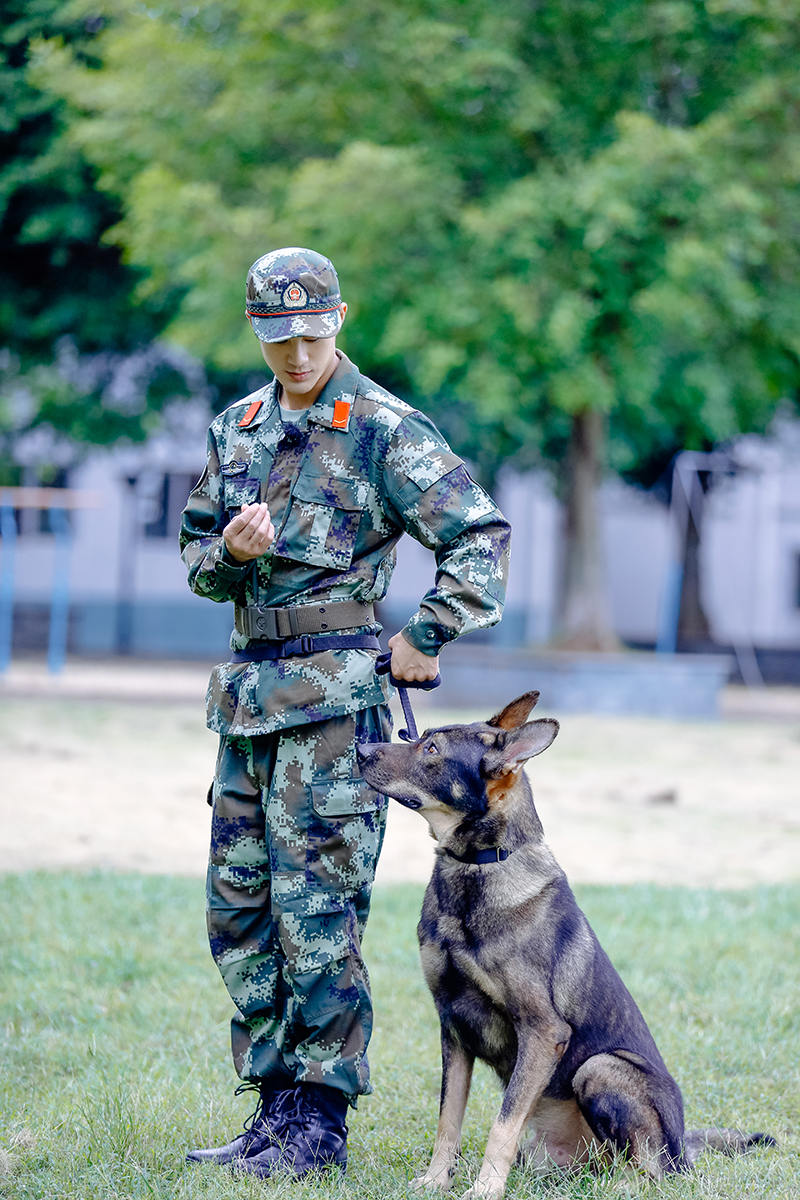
(383, 665)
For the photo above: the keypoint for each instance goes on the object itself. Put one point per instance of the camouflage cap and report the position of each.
(293, 293)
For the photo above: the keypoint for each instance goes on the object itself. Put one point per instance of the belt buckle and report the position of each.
(265, 623)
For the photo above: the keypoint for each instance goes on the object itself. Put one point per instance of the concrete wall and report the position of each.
(752, 547)
(128, 587)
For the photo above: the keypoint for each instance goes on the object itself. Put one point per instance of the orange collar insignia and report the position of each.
(341, 413)
(251, 414)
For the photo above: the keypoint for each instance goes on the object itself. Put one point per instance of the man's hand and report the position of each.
(409, 663)
(250, 533)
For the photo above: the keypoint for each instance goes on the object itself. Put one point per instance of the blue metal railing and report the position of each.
(56, 502)
(59, 601)
(8, 532)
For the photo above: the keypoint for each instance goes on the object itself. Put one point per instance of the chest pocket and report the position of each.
(239, 490)
(322, 522)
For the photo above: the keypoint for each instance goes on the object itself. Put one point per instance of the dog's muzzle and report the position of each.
(370, 753)
(368, 750)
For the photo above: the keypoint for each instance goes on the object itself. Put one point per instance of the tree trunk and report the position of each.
(585, 613)
(694, 631)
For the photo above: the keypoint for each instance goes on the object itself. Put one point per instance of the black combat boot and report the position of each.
(259, 1129)
(312, 1135)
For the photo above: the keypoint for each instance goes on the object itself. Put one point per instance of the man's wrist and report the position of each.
(226, 559)
(423, 638)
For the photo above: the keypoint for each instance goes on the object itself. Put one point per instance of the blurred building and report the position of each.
(129, 592)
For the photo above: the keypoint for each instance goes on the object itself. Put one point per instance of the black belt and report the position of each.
(277, 624)
(305, 645)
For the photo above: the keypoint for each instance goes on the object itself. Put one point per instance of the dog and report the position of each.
(518, 977)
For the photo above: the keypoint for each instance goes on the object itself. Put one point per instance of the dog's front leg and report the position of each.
(456, 1078)
(539, 1051)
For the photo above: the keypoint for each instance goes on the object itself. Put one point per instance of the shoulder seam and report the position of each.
(387, 407)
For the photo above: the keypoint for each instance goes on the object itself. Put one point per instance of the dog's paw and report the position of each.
(488, 1189)
(433, 1181)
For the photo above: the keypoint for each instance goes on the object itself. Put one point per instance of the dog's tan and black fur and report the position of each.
(518, 976)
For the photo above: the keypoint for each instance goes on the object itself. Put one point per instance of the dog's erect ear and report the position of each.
(514, 749)
(515, 713)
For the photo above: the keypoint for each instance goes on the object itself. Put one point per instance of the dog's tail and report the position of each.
(726, 1141)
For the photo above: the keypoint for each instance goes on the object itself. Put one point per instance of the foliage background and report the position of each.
(534, 209)
(571, 233)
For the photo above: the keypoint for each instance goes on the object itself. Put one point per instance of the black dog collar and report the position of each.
(496, 854)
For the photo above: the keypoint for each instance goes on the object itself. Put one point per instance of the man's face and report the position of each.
(302, 366)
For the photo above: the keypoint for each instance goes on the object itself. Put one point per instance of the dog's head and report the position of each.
(460, 769)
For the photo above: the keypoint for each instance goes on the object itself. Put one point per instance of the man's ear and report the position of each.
(513, 749)
(515, 713)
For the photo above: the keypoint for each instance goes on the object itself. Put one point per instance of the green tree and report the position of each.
(57, 274)
(59, 279)
(649, 289)
(569, 230)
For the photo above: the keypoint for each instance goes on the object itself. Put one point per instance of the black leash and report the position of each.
(493, 854)
(383, 665)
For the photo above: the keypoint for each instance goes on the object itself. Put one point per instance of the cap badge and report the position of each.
(294, 296)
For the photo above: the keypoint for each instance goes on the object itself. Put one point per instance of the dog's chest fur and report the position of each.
(506, 949)
(469, 920)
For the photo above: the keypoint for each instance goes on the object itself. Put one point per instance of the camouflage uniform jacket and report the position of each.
(366, 469)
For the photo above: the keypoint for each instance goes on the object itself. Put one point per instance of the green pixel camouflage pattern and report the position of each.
(356, 490)
(296, 834)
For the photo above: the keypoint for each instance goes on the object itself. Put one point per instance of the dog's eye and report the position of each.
(431, 749)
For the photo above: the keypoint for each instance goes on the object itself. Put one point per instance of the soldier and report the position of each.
(310, 483)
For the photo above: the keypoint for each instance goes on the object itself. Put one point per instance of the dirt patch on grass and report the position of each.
(120, 781)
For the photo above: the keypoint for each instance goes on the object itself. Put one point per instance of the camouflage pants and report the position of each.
(295, 838)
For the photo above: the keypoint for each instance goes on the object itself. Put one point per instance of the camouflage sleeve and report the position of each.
(212, 572)
(440, 505)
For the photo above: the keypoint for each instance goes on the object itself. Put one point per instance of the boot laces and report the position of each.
(294, 1113)
(259, 1117)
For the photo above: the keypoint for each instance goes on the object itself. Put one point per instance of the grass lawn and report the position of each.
(114, 1041)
